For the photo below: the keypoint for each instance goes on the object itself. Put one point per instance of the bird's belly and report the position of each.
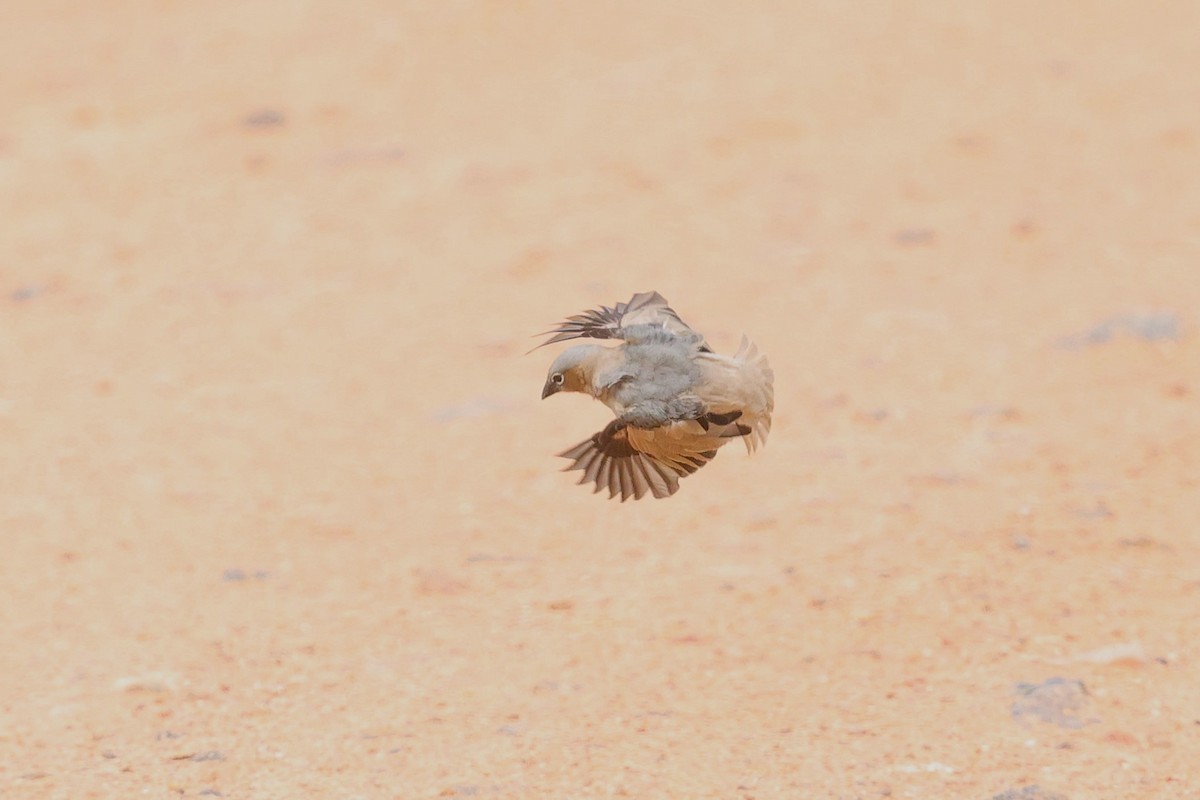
(660, 389)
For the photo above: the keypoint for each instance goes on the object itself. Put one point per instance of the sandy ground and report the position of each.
(280, 512)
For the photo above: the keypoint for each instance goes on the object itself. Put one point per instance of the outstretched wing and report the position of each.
(637, 461)
(645, 313)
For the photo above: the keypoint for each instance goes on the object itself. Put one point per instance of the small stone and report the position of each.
(264, 118)
(910, 237)
(205, 755)
(148, 682)
(1056, 700)
(1130, 653)
(1028, 793)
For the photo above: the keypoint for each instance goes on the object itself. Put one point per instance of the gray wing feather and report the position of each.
(646, 314)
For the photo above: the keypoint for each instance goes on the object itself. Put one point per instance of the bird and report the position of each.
(674, 400)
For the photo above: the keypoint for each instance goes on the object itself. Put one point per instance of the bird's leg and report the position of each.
(723, 419)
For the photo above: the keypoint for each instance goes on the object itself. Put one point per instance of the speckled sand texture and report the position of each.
(279, 509)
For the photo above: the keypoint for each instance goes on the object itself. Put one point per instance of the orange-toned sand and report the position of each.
(280, 513)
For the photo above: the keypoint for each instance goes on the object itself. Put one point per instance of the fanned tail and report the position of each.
(758, 371)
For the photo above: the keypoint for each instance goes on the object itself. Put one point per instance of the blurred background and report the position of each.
(280, 508)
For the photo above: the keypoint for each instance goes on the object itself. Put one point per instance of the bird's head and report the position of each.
(571, 371)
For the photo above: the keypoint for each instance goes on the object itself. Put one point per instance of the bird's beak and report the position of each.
(550, 388)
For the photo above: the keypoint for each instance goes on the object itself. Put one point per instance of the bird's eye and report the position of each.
(557, 378)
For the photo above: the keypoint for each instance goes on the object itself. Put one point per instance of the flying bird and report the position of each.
(674, 400)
